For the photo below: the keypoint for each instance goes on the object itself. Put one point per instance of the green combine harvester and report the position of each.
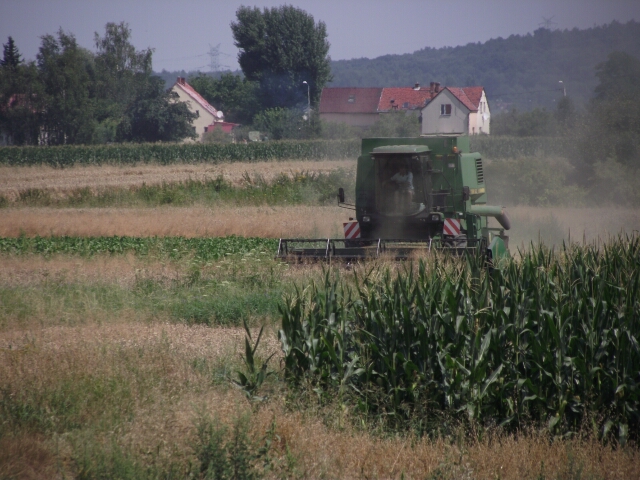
(413, 195)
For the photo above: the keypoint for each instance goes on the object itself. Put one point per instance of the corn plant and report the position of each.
(252, 379)
(551, 338)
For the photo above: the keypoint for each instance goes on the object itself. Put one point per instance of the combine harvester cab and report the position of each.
(413, 194)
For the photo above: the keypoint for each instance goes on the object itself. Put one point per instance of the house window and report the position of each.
(445, 109)
(405, 105)
(352, 99)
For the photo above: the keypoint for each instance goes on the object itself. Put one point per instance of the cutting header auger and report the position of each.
(412, 195)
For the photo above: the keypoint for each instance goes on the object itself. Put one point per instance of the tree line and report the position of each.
(71, 95)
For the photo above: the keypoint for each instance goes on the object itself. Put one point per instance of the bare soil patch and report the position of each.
(122, 270)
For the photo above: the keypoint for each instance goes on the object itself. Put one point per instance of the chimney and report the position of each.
(181, 80)
(437, 87)
(432, 87)
(416, 86)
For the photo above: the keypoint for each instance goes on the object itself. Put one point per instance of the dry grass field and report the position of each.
(100, 376)
(552, 226)
(143, 388)
(262, 221)
(63, 180)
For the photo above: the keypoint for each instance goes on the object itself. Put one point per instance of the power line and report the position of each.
(181, 58)
(547, 22)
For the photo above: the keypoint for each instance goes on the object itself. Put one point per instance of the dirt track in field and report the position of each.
(16, 179)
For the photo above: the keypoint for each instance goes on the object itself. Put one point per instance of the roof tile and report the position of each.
(405, 98)
(189, 90)
(469, 96)
(349, 100)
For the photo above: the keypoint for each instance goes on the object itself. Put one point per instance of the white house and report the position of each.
(461, 111)
(207, 114)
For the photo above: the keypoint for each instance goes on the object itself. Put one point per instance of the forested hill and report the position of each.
(521, 71)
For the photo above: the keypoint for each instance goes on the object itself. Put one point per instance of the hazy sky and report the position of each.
(181, 32)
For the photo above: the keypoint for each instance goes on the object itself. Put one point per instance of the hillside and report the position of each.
(521, 70)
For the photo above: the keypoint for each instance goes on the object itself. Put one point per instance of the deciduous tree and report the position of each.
(21, 97)
(155, 115)
(612, 130)
(280, 48)
(67, 74)
(122, 72)
(237, 97)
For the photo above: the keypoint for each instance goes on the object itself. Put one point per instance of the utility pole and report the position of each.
(564, 90)
(214, 54)
(308, 101)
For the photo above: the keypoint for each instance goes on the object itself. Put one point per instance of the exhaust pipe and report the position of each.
(498, 213)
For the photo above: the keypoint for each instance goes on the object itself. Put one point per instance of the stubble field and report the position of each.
(120, 365)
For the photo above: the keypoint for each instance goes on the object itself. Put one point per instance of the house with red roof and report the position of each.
(457, 111)
(207, 114)
(354, 106)
(407, 99)
(466, 109)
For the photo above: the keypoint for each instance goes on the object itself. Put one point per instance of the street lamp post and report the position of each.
(308, 101)
(564, 90)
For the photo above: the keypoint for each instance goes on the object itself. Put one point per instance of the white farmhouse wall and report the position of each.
(480, 121)
(433, 122)
(204, 119)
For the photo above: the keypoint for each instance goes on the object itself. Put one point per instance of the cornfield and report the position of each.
(171, 153)
(549, 339)
(125, 154)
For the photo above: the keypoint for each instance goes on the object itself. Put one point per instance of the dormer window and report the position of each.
(405, 105)
(352, 99)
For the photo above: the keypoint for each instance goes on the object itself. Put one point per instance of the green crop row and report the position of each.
(123, 154)
(173, 247)
(550, 339)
